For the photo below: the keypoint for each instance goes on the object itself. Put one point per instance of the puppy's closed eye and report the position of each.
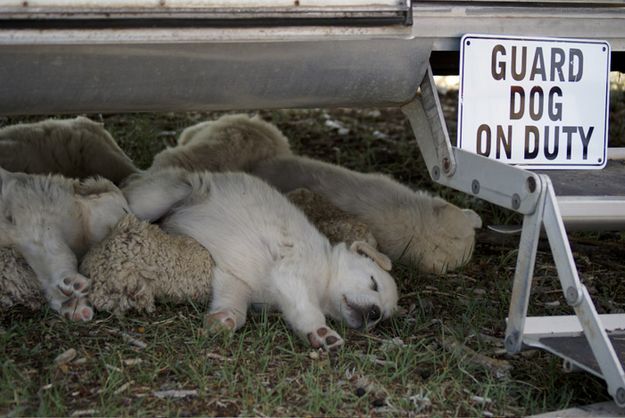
(374, 284)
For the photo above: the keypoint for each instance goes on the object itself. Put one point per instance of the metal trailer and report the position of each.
(63, 56)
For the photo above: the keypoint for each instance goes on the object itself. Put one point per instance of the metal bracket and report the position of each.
(491, 180)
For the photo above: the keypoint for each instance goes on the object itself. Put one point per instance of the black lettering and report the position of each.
(575, 55)
(498, 68)
(551, 155)
(555, 109)
(514, 91)
(569, 131)
(536, 91)
(501, 140)
(483, 129)
(531, 129)
(557, 62)
(585, 139)
(519, 75)
(538, 67)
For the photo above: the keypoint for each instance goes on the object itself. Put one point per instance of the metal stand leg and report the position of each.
(526, 259)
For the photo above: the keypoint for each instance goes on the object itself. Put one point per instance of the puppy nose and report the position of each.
(373, 313)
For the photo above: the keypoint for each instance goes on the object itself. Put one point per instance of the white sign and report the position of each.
(540, 103)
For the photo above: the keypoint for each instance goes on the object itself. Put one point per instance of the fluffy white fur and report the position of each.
(52, 220)
(236, 143)
(429, 232)
(77, 148)
(267, 252)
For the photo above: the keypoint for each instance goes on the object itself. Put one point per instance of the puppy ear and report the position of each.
(362, 247)
(473, 217)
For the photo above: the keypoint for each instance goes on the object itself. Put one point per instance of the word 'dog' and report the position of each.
(529, 101)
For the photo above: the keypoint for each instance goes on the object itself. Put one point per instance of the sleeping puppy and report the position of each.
(267, 252)
(52, 220)
(77, 148)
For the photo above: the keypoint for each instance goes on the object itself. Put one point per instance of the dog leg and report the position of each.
(56, 268)
(305, 316)
(231, 297)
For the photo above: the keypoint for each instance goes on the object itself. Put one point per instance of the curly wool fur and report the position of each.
(139, 263)
(18, 282)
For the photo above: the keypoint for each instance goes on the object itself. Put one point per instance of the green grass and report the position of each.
(420, 362)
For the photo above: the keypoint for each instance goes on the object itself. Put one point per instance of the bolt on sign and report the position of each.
(539, 103)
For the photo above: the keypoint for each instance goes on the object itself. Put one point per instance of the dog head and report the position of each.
(361, 292)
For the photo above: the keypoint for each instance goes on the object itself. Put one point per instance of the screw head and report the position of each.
(571, 295)
(475, 186)
(620, 396)
(446, 165)
(436, 172)
(516, 201)
(531, 184)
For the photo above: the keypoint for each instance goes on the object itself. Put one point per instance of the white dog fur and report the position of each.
(429, 232)
(267, 252)
(77, 148)
(52, 220)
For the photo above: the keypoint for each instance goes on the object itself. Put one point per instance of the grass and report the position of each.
(442, 355)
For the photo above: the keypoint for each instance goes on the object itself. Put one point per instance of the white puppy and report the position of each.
(52, 220)
(77, 148)
(267, 252)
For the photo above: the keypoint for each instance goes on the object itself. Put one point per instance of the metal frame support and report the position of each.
(498, 183)
(521, 287)
(529, 194)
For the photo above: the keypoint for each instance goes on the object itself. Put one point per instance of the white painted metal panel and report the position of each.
(568, 324)
(446, 22)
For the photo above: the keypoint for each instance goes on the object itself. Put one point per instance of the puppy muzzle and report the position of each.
(363, 316)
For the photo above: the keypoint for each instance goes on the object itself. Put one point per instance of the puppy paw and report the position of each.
(219, 321)
(75, 285)
(326, 338)
(77, 309)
